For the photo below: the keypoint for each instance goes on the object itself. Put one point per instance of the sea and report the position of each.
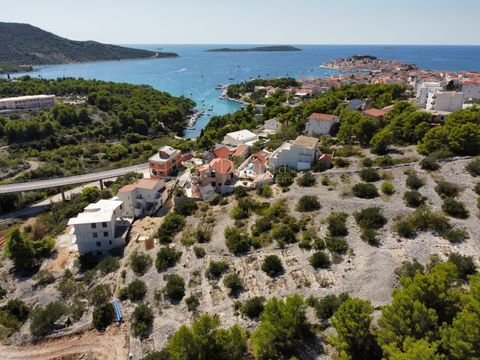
(196, 73)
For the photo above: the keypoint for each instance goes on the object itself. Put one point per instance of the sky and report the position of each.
(253, 21)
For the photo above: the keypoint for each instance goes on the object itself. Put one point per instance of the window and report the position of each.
(110, 242)
(99, 253)
(99, 243)
(105, 233)
(104, 224)
(94, 226)
(95, 235)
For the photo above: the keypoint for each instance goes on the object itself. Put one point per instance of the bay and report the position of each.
(196, 73)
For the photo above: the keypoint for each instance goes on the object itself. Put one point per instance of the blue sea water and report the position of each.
(196, 72)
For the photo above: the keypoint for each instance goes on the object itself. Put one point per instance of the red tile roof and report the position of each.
(240, 150)
(148, 184)
(222, 152)
(322, 117)
(222, 166)
(374, 113)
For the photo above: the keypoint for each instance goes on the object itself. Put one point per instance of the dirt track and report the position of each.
(111, 345)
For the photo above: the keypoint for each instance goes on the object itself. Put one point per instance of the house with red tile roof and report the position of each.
(374, 113)
(144, 197)
(320, 124)
(255, 169)
(219, 174)
(222, 152)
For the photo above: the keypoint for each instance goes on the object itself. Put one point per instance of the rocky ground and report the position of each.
(365, 271)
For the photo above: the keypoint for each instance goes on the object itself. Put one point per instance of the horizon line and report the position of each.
(291, 44)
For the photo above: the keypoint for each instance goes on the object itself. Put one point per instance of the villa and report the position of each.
(218, 174)
(445, 101)
(255, 169)
(298, 154)
(144, 197)
(320, 124)
(165, 162)
(101, 227)
(271, 126)
(240, 137)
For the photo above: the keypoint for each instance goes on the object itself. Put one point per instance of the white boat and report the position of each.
(219, 87)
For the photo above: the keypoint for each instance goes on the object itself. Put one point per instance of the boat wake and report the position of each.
(181, 70)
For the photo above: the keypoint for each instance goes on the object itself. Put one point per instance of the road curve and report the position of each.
(70, 180)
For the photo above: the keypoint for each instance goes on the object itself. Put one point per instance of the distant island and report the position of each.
(24, 44)
(258, 48)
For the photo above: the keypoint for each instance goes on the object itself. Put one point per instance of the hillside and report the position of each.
(258, 49)
(26, 44)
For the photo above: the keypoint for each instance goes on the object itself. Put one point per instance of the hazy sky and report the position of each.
(253, 21)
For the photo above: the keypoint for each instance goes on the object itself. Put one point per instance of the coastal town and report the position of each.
(250, 211)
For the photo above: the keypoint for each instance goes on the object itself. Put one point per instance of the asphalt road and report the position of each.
(70, 180)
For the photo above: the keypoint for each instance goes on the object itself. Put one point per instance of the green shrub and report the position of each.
(325, 181)
(192, 303)
(43, 318)
(370, 218)
(203, 234)
(236, 241)
(43, 278)
(422, 219)
(447, 189)
(308, 203)
(216, 269)
(284, 176)
(320, 260)
(103, 316)
(429, 164)
(370, 236)
(465, 265)
(337, 224)
(414, 181)
(253, 307)
(384, 161)
(100, 294)
(140, 263)
(456, 235)
(341, 162)
(455, 208)
(142, 320)
(262, 225)
(185, 206)
(12, 316)
(265, 191)
(135, 291)
(409, 269)
(175, 288)
(387, 188)
(108, 265)
(414, 198)
(167, 257)
(327, 306)
(367, 162)
(272, 266)
(234, 283)
(172, 224)
(473, 167)
(336, 244)
(240, 192)
(199, 252)
(369, 175)
(307, 180)
(365, 191)
(477, 188)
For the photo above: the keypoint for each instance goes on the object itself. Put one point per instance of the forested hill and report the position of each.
(25, 44)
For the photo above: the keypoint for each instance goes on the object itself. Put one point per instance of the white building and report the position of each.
(272, 126)
(100, 227)
(471, 89)
(143, 198)
(448, 101)
(320, 124)
(425, 88)
(298, 154)
(240, 137)
(27, 102)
